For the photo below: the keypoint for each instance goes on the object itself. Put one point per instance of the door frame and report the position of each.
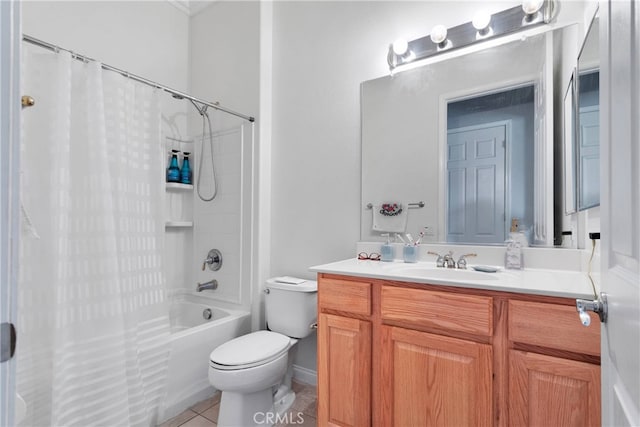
(10, 41)
(507, 171)
(461, 95)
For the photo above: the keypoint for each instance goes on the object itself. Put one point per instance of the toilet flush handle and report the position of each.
(313, 325)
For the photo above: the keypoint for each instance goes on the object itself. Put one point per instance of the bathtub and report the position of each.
(192, 339)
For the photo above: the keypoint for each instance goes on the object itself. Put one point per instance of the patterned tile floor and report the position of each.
(205, 414)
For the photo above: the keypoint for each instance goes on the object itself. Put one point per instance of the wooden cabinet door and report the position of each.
(433, 380)
(549, 391)
(344, 371)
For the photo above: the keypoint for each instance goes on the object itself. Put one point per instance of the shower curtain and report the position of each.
(93, 322)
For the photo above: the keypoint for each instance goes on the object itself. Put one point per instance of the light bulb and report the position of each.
(531, 6)
(481, 20)
(438, 34)
(400, 47)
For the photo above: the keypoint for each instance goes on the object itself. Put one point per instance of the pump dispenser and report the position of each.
(387, 251)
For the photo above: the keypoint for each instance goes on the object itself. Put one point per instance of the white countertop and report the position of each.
(558, 283)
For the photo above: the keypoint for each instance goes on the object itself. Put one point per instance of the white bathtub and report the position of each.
(192, 340)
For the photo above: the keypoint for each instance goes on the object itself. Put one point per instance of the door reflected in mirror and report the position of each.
(490, 148)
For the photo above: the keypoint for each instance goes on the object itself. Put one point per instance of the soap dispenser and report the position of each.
(387, 251)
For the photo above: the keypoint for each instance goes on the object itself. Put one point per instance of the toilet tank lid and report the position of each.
(289, 283)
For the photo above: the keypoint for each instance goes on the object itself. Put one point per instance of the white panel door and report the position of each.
(620, 210)
(476, 184)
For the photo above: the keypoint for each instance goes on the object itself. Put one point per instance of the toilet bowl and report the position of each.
(251, 362)
(254, 371)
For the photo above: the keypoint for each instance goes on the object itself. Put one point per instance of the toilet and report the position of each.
(254, 371)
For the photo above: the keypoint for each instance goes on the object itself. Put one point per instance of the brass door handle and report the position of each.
(27, 101)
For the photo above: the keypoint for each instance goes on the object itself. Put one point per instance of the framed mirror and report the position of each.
(588, 119)
(569, 147)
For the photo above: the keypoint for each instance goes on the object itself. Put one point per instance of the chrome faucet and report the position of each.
(449, 262)
(444, 260)
(211, 284)
(462, 261)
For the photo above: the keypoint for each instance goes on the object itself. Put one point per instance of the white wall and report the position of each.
(145, 38)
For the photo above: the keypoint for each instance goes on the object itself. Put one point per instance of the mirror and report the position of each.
(569, 145)
(408, 148)
(588, 120)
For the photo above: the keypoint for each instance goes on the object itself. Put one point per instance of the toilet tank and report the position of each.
(291, 306)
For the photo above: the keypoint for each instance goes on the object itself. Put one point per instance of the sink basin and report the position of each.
(443, 273)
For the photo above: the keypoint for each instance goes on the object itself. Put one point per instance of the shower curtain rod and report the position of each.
(176, 94)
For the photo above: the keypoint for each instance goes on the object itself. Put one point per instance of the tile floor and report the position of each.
(205, 414)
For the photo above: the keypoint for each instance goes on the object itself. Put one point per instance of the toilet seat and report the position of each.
(254, 349)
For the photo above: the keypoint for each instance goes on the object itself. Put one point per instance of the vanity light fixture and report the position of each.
(399, 53)
(438, 35)
(400, 47)
(483, 27)
(531, 7)
(481, 22)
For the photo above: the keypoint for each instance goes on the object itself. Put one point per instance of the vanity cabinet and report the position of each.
(552, 391)
(431, 380)
(344, 359)
(402, 354)
(554, 366)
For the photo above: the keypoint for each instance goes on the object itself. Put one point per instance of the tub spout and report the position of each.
(211, 284)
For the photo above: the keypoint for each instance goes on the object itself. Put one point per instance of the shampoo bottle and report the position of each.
(387, 251)
(185, 170)
(173, 172)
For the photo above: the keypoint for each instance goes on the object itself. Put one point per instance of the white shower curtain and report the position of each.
(93, 323)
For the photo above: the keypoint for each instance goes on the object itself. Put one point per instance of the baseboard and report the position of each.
(305, 375)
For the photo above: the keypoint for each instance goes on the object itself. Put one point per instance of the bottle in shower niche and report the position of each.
(173, 171)
(185, 170)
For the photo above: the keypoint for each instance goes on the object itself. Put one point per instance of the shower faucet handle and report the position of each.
(214, 260)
